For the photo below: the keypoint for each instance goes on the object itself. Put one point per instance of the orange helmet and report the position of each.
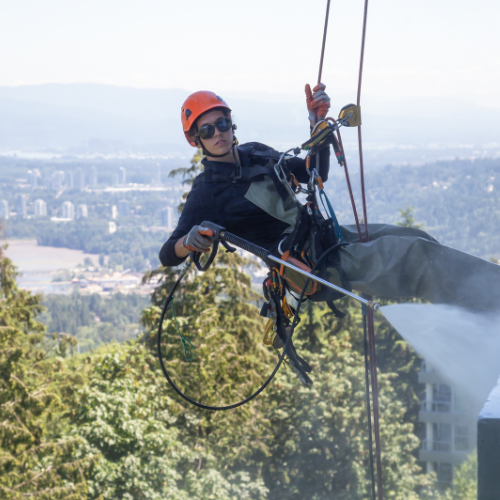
(197, 104)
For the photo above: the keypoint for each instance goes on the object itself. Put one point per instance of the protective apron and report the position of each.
(398, 262)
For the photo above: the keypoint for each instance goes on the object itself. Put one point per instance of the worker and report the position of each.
(239, 191)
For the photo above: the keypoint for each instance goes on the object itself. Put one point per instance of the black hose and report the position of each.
(253, 249)
(260, 252)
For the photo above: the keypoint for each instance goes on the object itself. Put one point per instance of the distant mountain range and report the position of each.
(88, 118)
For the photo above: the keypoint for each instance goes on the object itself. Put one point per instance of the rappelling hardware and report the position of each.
(282, 177)
(268, 332)
(319, 133)
(278, 327)
(350, 115)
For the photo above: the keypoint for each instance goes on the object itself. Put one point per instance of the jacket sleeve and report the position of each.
(194, 213)
(298, 168)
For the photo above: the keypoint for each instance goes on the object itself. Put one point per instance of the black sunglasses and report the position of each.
(208, 131)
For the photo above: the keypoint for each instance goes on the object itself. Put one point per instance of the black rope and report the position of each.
(235, 240)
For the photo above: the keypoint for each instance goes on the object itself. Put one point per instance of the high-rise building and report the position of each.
(21, 205)
(167, 218)
(40, 208)
(68, 210)
(4, 210)
(114, 212)
(123, 175)
(112, 227)
(93, 177)
(79, 179)
(69, 180)
(47, 182)
(123, 208)
(114, 180)
(82, 211)
(58, 179)
(34, 177)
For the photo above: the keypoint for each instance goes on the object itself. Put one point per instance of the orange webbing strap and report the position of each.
(294, 183)
(297, 263)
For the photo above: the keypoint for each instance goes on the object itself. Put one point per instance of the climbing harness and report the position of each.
(313, 241)
(226, 238)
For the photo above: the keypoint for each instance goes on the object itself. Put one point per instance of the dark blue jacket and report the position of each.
(215, 198)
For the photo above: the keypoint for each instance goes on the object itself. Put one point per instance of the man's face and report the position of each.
(221, 142)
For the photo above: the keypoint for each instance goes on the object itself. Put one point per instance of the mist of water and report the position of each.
(463, 346)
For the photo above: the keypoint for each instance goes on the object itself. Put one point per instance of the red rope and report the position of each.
(358, 101)
(369, 317)
(348, 180)
(324, 42)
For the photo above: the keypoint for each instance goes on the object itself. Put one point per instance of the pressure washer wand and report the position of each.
(264, 254)
(369, 303)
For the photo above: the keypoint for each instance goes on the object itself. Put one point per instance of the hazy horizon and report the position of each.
(97, 118)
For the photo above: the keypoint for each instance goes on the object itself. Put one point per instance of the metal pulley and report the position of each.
(350, 115)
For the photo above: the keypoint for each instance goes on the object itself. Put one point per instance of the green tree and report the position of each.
(464, 481)
(149, 447)
(319, 445)
(35, 460)
(408, 218)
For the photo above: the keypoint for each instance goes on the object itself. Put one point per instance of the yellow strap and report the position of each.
(268, 337)
(287, 309)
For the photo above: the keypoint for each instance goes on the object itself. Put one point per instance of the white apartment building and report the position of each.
(123, 175)
(123, 208)
(93, 177)
(58, 178)
(79, 179)
(68, 210)
(34, 177)
(167, 218)
(69, 180)
(4, 210)
(21, 207)
(450, 426)
(40, 208)
(82, 211)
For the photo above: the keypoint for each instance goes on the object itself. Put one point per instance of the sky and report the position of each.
(416, 49)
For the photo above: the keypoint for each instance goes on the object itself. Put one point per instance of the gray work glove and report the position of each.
(199, 239)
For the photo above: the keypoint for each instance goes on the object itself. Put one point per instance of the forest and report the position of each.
(94, 320)
(458, 201)
(103, 424)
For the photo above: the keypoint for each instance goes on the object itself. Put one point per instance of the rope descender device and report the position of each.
(350, 115)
